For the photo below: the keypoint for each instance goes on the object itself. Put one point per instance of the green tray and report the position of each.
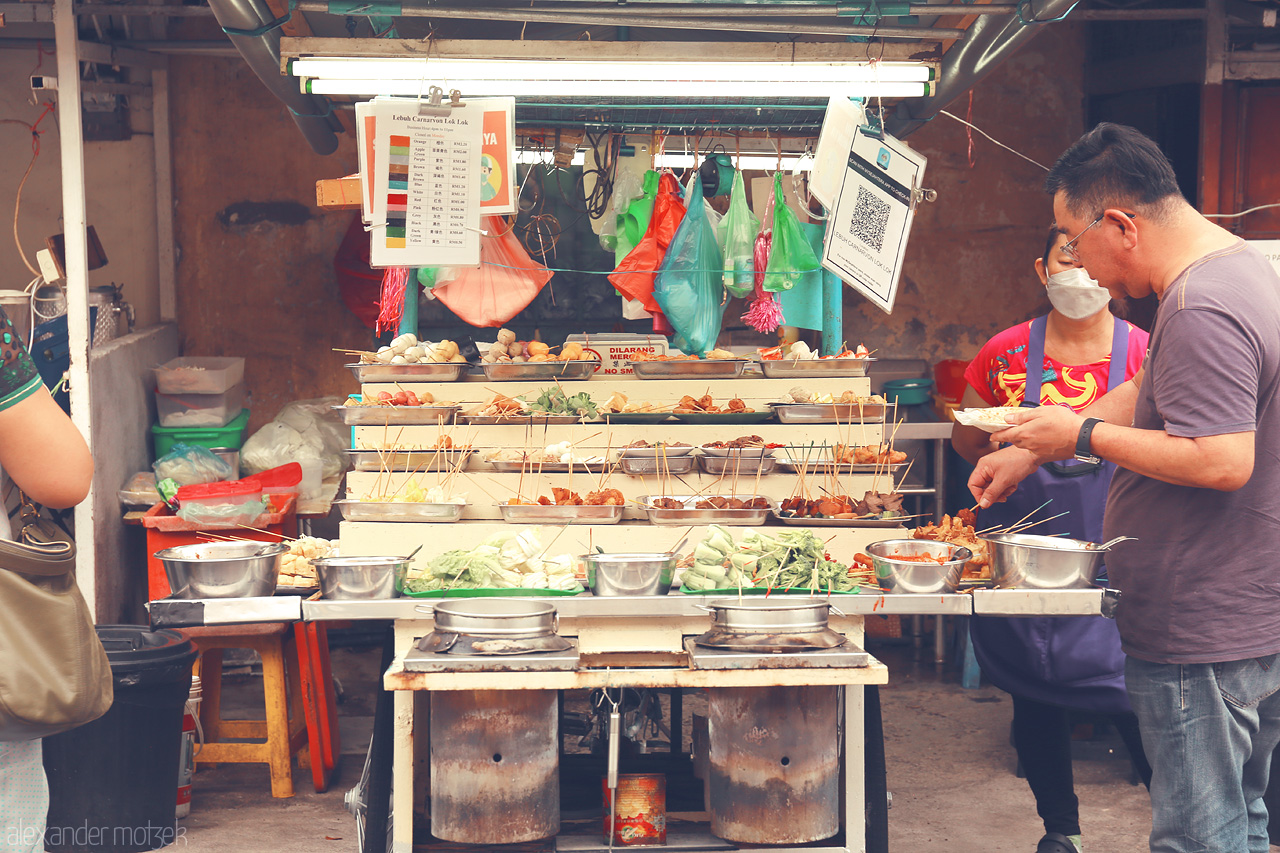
(636, 417)
(760, 590)
(725, 417)
(514, 592)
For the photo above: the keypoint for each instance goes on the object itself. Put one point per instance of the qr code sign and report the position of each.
(870, 217)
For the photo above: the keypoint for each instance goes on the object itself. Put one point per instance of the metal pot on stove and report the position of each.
(493, 626)
(782, 624)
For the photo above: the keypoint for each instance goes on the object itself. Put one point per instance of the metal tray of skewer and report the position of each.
(867, 521)
(410, 460)
(397, 415)
(399, 511)
(566, 514)
(645, 466)
(433, 372)
(690, 514)
(701, 368)
(532, 466)
(814, 368)
(829, 413)
(537, 370)
(821, 462)
(739, 465)
(521, 420)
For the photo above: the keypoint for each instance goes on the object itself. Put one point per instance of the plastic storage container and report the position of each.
(277, 483)
(117, 777)
(200, 410)
(230, 436)
(223, 504)
(199, 375)
(908, 392)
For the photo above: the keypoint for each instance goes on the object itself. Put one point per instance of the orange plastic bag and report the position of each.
(502, 286)
(634, 276)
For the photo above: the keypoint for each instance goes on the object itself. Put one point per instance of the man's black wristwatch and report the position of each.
(1084, 452)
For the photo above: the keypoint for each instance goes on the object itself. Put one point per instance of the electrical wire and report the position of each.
(34, 127)
(1241, 213)
(993, 139)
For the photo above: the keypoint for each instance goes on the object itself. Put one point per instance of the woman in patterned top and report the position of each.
(1070, 357)
(43, 453)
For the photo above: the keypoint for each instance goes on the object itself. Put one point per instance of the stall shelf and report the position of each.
(1040, 602)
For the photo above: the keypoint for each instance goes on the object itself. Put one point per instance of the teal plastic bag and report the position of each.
(688, 286)
(737, 237)
(791, 258)
(802, 304)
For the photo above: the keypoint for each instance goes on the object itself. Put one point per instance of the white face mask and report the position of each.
(1075, 295)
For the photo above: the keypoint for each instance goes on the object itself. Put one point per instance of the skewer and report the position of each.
(1030, 524)
(1033, 512)
(269, 533)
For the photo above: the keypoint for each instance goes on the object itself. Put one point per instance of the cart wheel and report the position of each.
(370, 800)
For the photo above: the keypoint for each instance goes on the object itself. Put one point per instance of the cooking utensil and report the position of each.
(222, 569)
(1106, 546)
(360, 578)
(496, 617)
(770, 624)
(630, 573)
(898, 575)
(1027, 561)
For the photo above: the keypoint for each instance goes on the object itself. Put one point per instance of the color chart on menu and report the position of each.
(398, 191)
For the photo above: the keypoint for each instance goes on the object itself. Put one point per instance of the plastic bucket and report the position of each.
(187, 758)
(113, 783)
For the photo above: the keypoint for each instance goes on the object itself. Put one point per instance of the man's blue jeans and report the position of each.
(1209, 730)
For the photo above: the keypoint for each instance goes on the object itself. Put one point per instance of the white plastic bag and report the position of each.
(303, 430)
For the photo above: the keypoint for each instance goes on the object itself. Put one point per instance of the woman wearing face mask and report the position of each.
(1049, 665)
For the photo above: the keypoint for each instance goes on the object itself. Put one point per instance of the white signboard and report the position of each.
(869, 223)
(1269, 248)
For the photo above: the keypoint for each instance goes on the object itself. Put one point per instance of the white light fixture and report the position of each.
(760, 162)
(531, 79)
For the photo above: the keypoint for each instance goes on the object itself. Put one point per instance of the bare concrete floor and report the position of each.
(950, 768)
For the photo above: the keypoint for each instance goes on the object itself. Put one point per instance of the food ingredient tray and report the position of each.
(870, 521)
(397, 415)
(409, 460)
(378, 372)
(724, 417)
(720, 368)
(579, 514)
(398, 511)
(658, 452)
(828, 413)
(692, 515)
(529, 371)
(536, 420)
(644, 466)
(814, 368)
(744, 452)
(737, 464)
(511, 467)
(764, 590)
(819, 461)
(635, 417)
(492, 592)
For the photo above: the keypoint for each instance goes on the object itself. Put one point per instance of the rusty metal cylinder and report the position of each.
(495, 766)
(774, 764)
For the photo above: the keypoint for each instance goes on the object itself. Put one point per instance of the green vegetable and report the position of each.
(553, 401)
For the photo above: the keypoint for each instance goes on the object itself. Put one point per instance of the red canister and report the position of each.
(641, 811)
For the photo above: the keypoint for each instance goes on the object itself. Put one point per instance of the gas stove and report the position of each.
(843, 656)
(416, 660)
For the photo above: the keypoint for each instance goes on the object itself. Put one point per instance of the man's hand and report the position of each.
(997, 474)
(1049, 432)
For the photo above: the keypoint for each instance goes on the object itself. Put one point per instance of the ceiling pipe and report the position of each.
(255, 32)
(990, 42)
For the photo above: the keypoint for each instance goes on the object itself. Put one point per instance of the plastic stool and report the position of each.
(283, 731)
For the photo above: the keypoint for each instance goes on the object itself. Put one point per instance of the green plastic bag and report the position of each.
(634, 223)
(791, 258)
(737, 237)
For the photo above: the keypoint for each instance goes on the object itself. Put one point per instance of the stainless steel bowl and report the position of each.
(359, 578)
(1025, 561)
(496, 617)
(898, 575)
(222, 569)
(781, 615)
(629, 573)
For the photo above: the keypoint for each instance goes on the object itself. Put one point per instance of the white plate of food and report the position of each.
(989, 420)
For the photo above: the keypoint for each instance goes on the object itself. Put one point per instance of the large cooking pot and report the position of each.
(493, 626)
(782, 623)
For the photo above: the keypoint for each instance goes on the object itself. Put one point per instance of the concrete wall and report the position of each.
(120, 188)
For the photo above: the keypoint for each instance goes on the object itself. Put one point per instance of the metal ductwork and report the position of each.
(249, 25)
(987, 43)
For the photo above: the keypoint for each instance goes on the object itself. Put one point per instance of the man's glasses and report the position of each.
(1069, 248)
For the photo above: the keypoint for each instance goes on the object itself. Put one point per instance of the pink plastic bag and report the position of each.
(504, 284)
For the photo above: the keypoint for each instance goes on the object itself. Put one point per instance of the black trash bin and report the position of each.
(113, 783)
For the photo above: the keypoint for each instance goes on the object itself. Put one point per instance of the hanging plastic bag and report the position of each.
(633, 218)
(688, 289)
(634, 276)
(737, 238)
(506, 281)
(790, 257)
(713, 216)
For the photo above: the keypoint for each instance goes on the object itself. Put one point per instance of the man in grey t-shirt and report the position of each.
(1200, 613)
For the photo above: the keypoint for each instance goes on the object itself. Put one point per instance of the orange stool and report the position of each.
(284, 732)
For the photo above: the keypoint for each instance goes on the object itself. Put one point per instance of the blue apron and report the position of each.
(1073, 661)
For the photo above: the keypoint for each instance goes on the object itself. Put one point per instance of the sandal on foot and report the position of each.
(1055, 842)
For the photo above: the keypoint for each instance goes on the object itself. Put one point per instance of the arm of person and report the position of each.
(42, 451)
(970, 442)
(1117, 407)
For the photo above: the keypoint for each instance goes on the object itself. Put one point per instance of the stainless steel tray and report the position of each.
(528, 371)
(397, 415)
(828, 413)
(398, 511)
(520, 420)
(819, 461)
(450, 372)
(722, 368)
(741, 465)
(691, 515)
(510, 467)
(897, 521)
(409, 460)
(644, 466)
(741, 452)
(654, 452)
(814, 368)
(539, 514)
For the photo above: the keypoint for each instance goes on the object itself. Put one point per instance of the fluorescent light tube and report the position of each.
(605, 89)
